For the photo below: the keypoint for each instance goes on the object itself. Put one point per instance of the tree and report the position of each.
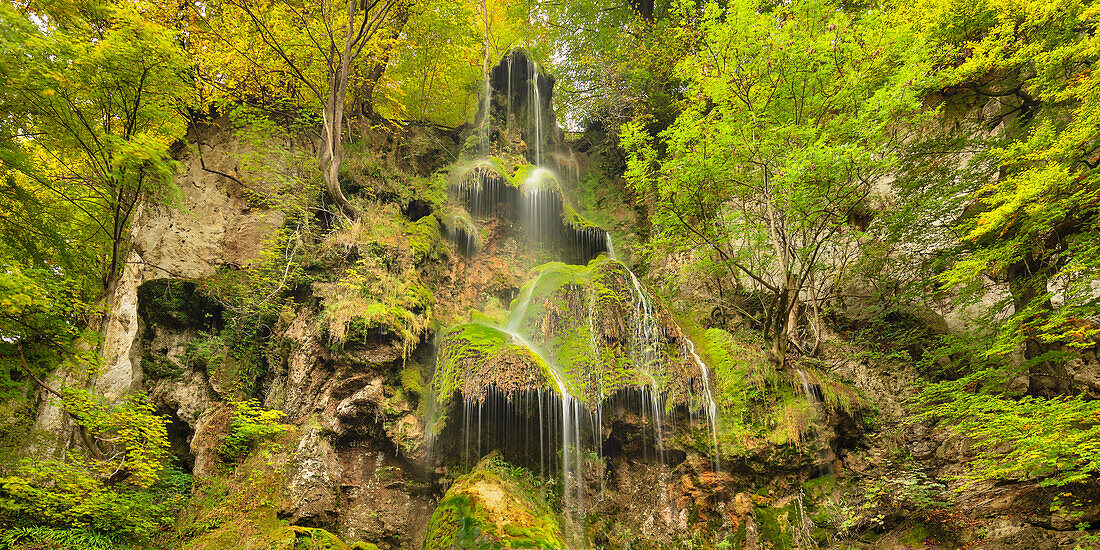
(605, 78)
(314, 47)
(94, 97)
(1033, 225)
(790, 116)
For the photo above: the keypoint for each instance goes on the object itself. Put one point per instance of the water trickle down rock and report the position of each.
(532, 199)
(578, 338)
(521, 107)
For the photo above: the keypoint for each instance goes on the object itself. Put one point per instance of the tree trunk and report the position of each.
(777, 331)
(332, 154)
(364, 95)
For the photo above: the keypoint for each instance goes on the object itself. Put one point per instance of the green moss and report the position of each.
(411, 379)
(176, 303)
(776, 525)
(205, 352)
(915, 536)
(369, 301)
(494, 506)
(571, 218)
(311, 538)
(476, 355)
(159, 368)
(578, 326)
(424, 238)
(463, 173)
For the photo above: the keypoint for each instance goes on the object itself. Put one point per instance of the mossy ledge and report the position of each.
(593, 328)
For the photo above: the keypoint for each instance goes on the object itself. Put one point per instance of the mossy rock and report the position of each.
(573, 219)
(593, 328)
(494, 506)
(424, 238)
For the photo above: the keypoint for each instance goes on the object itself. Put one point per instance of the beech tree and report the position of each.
(791, 114)
(93, 101)
(1035, 226)
(289, 50)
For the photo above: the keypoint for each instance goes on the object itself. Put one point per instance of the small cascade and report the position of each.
(646, 347)
(463, 234)
(522, 107)
(811, 391)
(710, 406)
(533, 198)
(481, 188)
(536, 112)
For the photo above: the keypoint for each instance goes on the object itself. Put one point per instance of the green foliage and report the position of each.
(757, 406)
(368, 299)
(136, 438)
(95, 93)
(439, 75)
(256, 300)
(205, 352)
(1035, 227)
(1054, 441)
(71, 539)
(40, 314)
(250, 424)
(783, 129)
(78, 506)
(411, 380)
(277, 171)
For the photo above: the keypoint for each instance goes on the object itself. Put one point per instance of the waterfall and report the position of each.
(807, 389)
(711, 407)
(564, 410)
(534, 109)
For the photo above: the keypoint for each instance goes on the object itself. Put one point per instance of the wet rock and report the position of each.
(381, 501)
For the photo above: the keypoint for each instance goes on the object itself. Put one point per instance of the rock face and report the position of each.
(312, 495)
(215, 224)
(521, 105)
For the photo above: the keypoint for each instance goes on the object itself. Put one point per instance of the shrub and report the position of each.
(65, 502)
(251, 423)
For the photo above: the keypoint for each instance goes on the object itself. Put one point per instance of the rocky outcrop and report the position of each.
(492, 507)
(312, 498)
(213, 222)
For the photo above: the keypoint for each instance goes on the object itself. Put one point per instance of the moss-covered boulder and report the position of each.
(494, 506)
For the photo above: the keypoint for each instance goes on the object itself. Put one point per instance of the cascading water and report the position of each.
(710, 407)
(562, 406)
(808, 389)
